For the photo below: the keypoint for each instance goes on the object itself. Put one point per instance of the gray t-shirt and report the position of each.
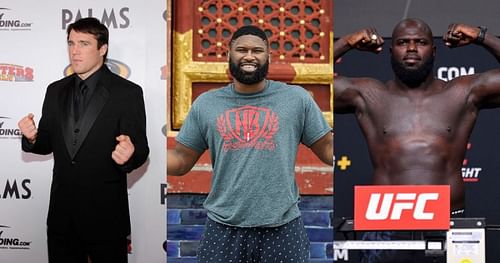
(253, 140)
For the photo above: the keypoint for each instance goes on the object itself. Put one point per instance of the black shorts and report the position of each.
(223, 243)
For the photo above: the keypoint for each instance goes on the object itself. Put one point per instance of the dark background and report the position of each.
(350, 15)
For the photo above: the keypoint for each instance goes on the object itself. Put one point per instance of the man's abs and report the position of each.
(420, 163)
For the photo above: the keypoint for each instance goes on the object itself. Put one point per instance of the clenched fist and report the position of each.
(28, 127)
(123, 150)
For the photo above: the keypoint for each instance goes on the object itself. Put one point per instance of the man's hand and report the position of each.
(460, 35)
(366, 39)
(123, 150)
(28, 127)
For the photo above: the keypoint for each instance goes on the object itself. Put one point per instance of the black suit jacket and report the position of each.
(89, 190)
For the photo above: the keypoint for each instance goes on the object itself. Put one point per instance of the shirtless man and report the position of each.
(417, 126)
(421, 124)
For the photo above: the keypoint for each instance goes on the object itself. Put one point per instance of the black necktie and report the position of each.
(80, 100)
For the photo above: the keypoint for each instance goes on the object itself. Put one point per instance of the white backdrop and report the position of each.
(33, 54)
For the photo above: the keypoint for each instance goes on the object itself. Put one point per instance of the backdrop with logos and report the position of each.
(481, 168)
(34, 54)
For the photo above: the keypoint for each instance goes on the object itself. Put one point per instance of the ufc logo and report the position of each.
(403, 201)
(402, 207)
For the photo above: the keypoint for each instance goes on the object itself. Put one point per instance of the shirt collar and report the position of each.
(92, 80)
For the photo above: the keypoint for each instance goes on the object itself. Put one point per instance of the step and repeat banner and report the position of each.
(481, 167)
(34, 54)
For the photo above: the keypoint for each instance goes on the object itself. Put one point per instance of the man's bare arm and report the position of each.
(485, 87)
(181, 159)
(323, 148)
(347, 96)
(460, 35)
(365, 39)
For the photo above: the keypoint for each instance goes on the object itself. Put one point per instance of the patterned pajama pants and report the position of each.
(223, 243)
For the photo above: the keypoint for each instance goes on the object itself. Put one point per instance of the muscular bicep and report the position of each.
(348, 93)
(181, 159)
(485, 88)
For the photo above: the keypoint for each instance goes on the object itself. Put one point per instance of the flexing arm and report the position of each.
(347, 96)
(459, 35)
(181, 159)
(485, 87)
(365, 39)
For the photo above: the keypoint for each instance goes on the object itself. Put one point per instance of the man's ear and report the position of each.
(228, 56)
(103, 49)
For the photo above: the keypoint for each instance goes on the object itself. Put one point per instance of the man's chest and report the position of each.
(436, 113)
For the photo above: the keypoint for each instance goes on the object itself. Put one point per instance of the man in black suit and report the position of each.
(94, 124)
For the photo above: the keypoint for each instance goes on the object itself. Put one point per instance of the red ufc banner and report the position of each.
(402, 207)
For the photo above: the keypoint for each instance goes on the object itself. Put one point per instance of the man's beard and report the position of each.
(412, 77)
(248, 78)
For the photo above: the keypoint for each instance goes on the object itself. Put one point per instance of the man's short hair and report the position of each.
(93, 26)
(249, 30)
